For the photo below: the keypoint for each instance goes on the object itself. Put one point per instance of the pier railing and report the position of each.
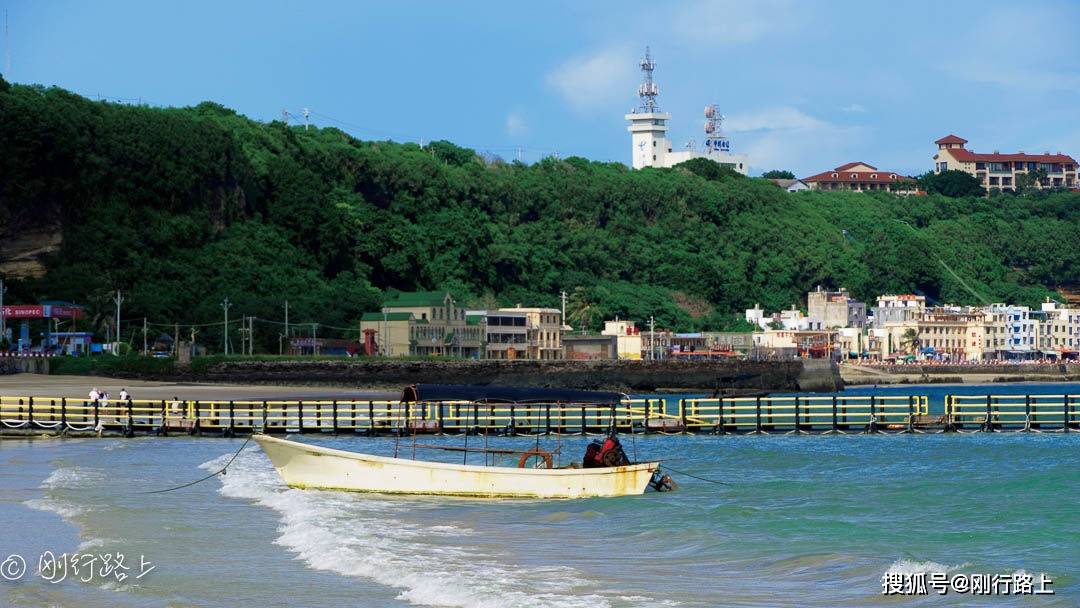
(787, 414)
(1013, 412)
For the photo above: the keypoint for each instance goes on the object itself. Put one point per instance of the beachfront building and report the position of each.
(792, 319)
(945, 333)
(897, 308)
(424, 323)
(1058, 330)
(997, 171)
(1014, 332)
(861, 177)
(543, 331)
(835, 308)
(628, 343)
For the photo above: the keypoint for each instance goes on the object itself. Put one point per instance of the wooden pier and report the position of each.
(751, 415)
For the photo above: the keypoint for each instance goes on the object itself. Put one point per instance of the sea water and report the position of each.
(796, 521)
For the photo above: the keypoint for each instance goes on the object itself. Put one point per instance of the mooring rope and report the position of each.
(721, 483)
(220, 471)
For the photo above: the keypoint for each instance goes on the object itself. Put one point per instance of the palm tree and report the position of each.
(909, 340)
(581, 310)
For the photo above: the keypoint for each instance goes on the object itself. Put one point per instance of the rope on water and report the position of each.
(220, 471)
(721, 483)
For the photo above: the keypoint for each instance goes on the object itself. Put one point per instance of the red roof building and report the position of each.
(997, 171)
(860, 177)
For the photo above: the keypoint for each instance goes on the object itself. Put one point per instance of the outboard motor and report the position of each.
(606, 454)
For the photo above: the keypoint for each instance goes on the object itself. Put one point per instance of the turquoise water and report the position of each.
(804, 521)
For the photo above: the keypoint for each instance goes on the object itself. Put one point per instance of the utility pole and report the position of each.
(652, 338)
(286, 320)
(176, 340)
(307, 113)
(314, 349)
(225, 305)
(144, 335)
(3, 318)
(119, 299)
(251, 335)
(562, 296)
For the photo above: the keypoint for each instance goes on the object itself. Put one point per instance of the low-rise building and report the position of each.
(790, 185)
(543, 331)
(424, 323)
(1059, 330)
(897, 309)
(627, 338)
(861, 177)
(835, 308)
(997, 171)
(589, 347)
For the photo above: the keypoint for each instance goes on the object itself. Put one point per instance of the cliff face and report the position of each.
(22, 251)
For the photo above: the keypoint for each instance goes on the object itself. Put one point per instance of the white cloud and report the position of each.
(719, 23)
(595, 80)
(785, 137)
(856, 108)
(515, 124)
(775, 118)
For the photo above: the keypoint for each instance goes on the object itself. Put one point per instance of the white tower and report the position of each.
(648, 125)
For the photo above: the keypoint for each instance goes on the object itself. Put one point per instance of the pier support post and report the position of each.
(871, 427)
(30, 412)
(910, 414)
(757, 409)
(334, 411)
(988, 424)
(834, 429)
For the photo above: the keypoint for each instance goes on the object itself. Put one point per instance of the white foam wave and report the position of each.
(907, 566)
(51, 505)
(365, 537)
(72, 477)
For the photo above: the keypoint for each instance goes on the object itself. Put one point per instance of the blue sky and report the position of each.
(805, 85)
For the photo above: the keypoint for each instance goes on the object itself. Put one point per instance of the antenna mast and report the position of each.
(307, 113)
(648, 89)
(7, 47)
(714, 139)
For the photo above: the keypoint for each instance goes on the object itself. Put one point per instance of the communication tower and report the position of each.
(648, 90)
(714, 137)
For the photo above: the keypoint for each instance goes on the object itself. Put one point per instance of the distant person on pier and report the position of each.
(94, 395)
(124, 395)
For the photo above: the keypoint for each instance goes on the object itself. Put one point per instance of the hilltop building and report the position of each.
(996, 171)
(650, 146)
(860, 177)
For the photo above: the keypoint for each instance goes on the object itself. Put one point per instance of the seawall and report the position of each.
(959, 374)
(637, 376)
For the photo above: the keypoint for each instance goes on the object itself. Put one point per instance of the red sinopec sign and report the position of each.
(42, 311)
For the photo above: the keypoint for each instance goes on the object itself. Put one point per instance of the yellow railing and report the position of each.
(718, 415)
(991, 412)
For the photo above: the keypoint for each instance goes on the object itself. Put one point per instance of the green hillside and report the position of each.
(183, 207)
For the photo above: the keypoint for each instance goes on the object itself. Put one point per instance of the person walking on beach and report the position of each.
(94, 394)
(124, 395)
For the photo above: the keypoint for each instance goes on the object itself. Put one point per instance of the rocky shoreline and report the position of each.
(958, 374)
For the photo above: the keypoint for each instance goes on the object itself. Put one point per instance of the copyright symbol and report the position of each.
(13, 568)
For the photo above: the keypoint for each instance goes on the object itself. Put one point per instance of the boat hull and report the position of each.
(307, 466)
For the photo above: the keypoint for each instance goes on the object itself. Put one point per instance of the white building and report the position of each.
(650, 146)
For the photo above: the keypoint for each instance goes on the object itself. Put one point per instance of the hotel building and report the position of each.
(996, 171)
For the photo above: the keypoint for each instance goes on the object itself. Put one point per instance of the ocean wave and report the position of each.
(907, 566)
(62, 508)
(72, 477)
(365, 537)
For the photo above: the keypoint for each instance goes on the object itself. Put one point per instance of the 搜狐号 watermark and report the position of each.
(923, 583)
(85, 567)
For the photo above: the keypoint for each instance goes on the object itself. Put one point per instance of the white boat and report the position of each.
(307, 466)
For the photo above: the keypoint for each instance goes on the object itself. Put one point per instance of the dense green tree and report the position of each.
(183, 207)
(778, 174)
(951, 183)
